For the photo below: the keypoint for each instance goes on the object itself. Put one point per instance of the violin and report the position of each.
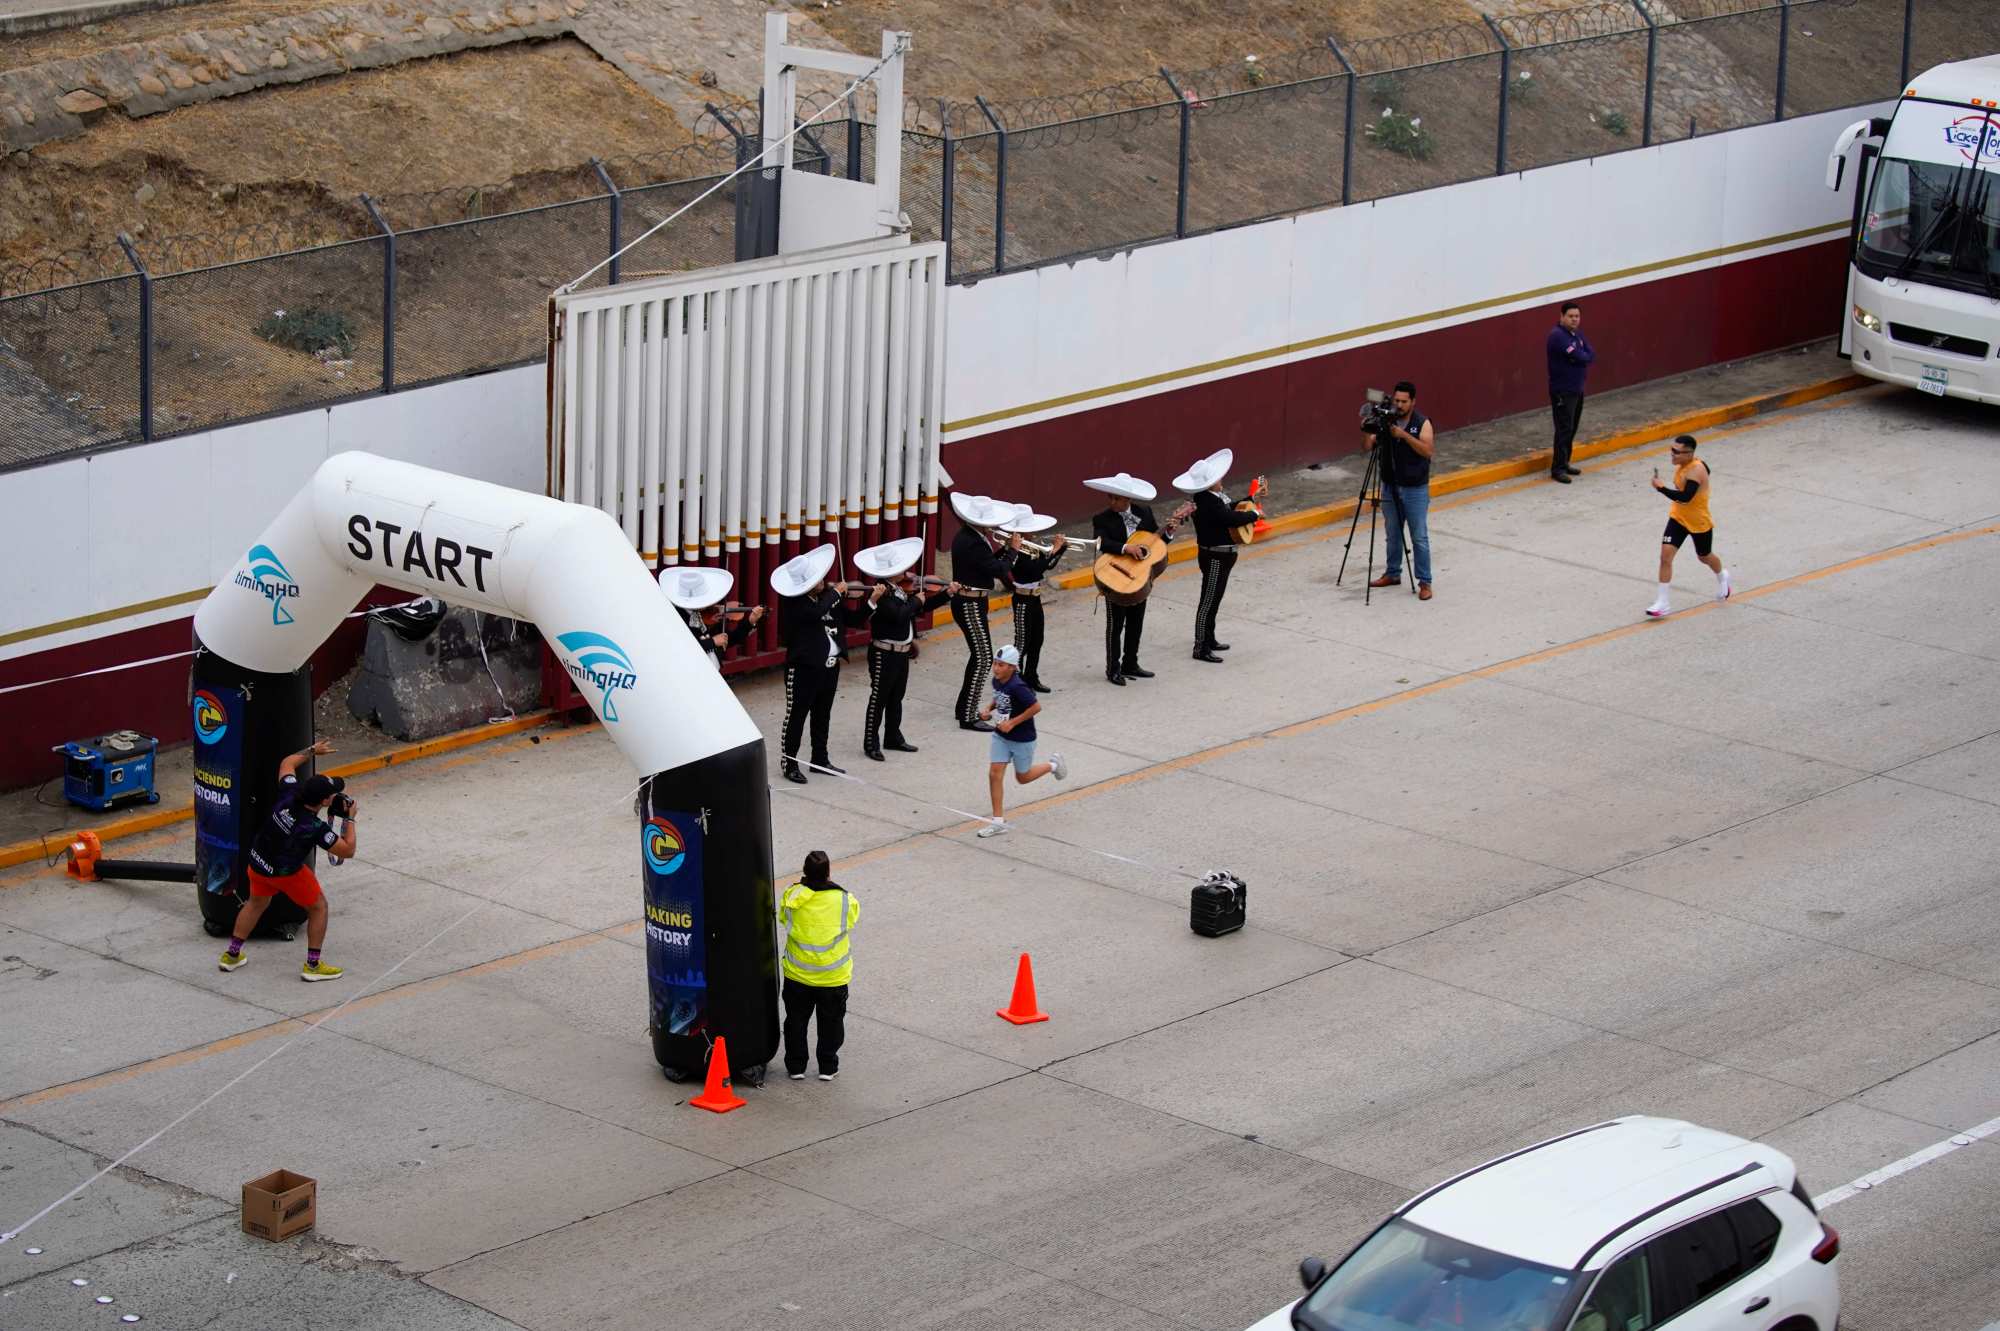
(736, 610)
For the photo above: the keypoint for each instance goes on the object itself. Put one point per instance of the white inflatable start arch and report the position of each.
(705, 838)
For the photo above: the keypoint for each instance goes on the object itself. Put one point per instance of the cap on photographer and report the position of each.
(1408, 445)
(279, 851)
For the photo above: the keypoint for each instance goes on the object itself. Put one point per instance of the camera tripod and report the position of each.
(1370, 497)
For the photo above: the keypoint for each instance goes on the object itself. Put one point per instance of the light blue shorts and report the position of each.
(1020, 752)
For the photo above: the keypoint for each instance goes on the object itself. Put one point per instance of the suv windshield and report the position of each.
(1405, 1278)
(1937, 222)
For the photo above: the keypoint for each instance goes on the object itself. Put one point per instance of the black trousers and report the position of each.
(829, 1001)
(1215, 566)
(1567, 408)
(809, 691)
(969, 613)
(1123, 625)
(888, 677)
(1028, 634)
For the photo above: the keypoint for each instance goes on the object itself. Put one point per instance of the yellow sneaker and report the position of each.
(319, 971)
(231, 960)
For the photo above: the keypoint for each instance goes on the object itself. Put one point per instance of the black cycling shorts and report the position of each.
(1704, 541)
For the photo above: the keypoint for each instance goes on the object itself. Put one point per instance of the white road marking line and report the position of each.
(1908, 1163)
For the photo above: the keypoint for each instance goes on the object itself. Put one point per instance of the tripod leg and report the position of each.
(1354, 523)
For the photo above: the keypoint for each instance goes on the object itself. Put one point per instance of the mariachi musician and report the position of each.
(812, 619)
(980, 557)
(893, 629)
(1030, 567)
(1115, 527)
(697, 593)
(1219, 524)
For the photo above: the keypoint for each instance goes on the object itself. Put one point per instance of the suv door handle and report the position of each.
(1757, 1305)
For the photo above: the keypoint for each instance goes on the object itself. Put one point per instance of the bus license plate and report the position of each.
(1935, 379)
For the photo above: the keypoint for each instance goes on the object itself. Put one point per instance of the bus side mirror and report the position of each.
(1311, 1270)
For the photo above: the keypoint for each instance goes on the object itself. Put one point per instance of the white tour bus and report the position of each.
(1923, 281)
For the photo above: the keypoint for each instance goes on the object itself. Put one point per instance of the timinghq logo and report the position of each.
(602, 662)
(269, 579)
(211, 719)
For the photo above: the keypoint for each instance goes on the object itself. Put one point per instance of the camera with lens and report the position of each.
(342, 806)
(1377, 414)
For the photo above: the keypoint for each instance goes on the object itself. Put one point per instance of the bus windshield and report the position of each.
(1937, 221)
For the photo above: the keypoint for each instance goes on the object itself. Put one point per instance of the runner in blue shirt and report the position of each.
(1012, 712)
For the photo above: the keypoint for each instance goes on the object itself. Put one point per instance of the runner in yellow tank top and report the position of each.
(1689, 516)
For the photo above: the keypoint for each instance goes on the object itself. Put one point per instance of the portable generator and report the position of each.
(101, 773)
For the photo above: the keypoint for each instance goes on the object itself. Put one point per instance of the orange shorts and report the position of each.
(302, 887)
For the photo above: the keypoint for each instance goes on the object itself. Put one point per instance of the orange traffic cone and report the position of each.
(716, 1096)
(1022, 1011)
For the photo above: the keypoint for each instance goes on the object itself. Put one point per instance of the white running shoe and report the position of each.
(1058, 768)
(995, 828)
(1723, 587)
(1659, 608)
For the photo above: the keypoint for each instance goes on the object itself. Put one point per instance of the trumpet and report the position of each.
(1039, 548)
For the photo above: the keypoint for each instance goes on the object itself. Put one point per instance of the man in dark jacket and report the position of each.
(1218, 526)
(812, 619)
(1115, 528)
(1570, 355)
(893, 637)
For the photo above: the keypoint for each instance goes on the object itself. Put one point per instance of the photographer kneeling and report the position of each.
(279, 853)
(1407, 442)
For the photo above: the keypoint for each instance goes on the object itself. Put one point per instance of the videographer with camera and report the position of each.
(279, 853)
(1407, 444)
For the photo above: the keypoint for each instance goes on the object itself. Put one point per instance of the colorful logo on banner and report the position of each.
(1977, 138)
(602, 662)
(676, 946)
(268, 577)
(211, 719)
(218, 787)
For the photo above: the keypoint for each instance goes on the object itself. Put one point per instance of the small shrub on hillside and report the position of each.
(1253, 73)
(1385, 89)
(1521, 89)
(1401, 134)
(311, 330)
(1614, 123)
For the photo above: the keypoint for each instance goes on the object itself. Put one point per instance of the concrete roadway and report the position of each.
(1518, 861)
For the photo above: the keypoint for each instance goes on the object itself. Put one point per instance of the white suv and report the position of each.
(1622, 1226)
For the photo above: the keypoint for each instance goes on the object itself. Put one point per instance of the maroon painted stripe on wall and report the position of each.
(1289, 415)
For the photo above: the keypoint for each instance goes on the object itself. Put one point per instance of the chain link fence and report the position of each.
(181, 333)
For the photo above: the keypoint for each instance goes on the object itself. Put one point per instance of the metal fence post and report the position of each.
(853, 145)
(1909, 31)
(1347, 131)
(1652, 65)
(1187, 129)
(145, 336)
(950, 175)
(1784, 53)
(388, 295)
(617, 213)
(1506, 86)
(999, 188)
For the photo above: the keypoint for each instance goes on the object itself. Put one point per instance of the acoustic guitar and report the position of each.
(1260, 490)
(1128, 579)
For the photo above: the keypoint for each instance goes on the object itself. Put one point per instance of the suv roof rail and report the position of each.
(1667, 1205)
(1435, 1189)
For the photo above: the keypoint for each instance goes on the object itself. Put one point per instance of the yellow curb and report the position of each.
(1489, 473)
(24, 852)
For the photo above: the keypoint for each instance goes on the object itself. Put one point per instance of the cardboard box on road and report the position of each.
(279, 1205)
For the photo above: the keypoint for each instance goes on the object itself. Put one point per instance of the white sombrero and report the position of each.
(1029, 523)
(890, 559)
(1205, 474)
(798, 576)
(696, 588)
(1124, 486)
(979, 511)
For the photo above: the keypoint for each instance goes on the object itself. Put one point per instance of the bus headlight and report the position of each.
(1867, 320)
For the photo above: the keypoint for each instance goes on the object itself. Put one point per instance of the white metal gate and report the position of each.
(731, 415)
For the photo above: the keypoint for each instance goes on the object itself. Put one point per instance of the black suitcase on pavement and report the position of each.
(1216, 906)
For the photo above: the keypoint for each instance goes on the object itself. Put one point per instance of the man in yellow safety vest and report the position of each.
(819, 914)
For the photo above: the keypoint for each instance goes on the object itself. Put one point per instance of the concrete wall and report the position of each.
(109, 554)
(1262, 338)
